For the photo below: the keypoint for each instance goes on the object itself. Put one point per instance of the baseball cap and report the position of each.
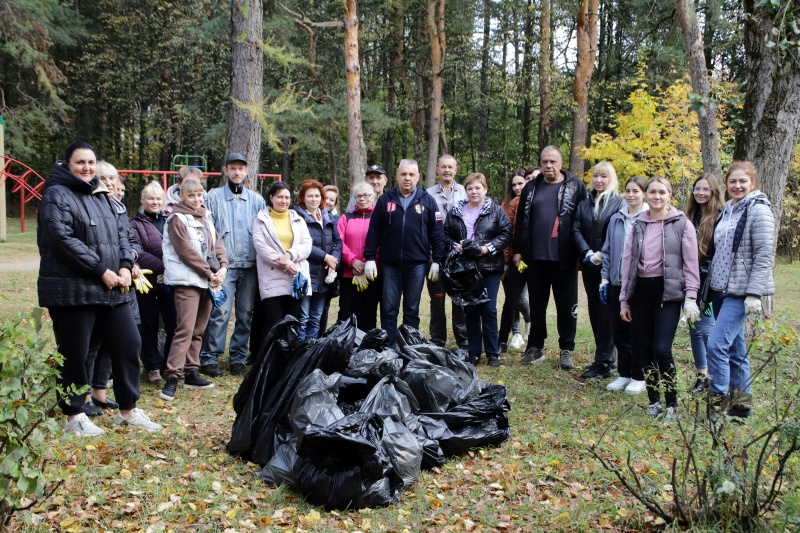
(375, 169)
(235, 156)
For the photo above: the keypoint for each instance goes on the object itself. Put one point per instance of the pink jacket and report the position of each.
(354, 236)
(272, 280)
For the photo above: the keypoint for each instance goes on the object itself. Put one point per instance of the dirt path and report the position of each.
(28, 262)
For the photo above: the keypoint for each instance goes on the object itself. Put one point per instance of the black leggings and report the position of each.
(628, 360)
(74, 328)
(654, 324)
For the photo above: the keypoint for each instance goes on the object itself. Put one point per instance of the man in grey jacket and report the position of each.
(234, 208)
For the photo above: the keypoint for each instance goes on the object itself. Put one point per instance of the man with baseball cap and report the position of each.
(375, 176)
(234, 208)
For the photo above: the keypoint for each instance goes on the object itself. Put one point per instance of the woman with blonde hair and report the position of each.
(589, 232)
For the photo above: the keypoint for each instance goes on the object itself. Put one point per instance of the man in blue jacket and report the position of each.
(234, 208)
(407, 233)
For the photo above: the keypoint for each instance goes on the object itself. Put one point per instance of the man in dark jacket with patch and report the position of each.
(543, 240)
(406, 229)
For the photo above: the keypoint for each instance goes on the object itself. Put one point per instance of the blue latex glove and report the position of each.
(299, 286)
(217, 297)
(604, 293)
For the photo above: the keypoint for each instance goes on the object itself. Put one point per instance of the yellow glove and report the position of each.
(141, 284)
(360, 282)
(522, 267)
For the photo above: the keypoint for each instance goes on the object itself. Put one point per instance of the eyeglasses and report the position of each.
(362, 196)
(701, 189)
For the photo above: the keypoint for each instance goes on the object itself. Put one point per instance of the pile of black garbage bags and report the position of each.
(348, 422)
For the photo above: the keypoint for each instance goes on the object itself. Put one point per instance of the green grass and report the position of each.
(542, 478)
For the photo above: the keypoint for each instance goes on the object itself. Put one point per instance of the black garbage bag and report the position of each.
(249, 402)
(479, 422)
(410, 335)
(314, 405)
(434, 386)
(429, 432)
(375, 339)
(330, 354)
(373, 364)
(463, 281)
(280, 468)
(470, 248)
(391, 398)
(346, 465)
(404, 450)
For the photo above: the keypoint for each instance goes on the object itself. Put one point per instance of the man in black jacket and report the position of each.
(406, 232)
(543, 240)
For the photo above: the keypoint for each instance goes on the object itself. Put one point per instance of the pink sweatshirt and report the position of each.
(651, 263)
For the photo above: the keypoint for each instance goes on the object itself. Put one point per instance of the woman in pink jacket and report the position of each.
(283, 244)
(659, 271)
(358, 295)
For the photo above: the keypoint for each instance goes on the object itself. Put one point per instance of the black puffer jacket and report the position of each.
(492, 229)
(588, 231)
(80, 236)
(326, 240)
(573, 192)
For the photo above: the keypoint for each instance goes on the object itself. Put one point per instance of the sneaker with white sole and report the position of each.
(517, 342)
(654, 409)
(137, 418)
(618, 384)
(82, 426)
(636, 387)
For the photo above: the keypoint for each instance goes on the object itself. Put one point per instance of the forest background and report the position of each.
(488, 81)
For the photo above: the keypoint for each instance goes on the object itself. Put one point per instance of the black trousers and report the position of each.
(629, 363)
(599, 317)
(542, 276)
(98, 364)
(513, 285)
(362, 304)
(74, 328)
(654, 325)
(151, 305)
(438, 325)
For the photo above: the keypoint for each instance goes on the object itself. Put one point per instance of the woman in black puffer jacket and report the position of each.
(480, 220)
(86, 263)
(589, 232)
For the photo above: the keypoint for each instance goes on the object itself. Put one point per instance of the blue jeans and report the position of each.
(728, 364)
(482, 319)
(699, 338)
(310, 312)
(406, 282)
(241, 284)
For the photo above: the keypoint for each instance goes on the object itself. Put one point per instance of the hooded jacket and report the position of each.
(324, 240)
(189, 239)
(573, 192)
(406, 237)
(80, 236)
(661, 248)
(619, 227)
(272, 280)
(492, 229)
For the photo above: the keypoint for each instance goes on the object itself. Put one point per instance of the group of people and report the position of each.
(208, 255)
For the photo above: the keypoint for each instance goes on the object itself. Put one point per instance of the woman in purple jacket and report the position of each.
(659, 271)
(148, 227)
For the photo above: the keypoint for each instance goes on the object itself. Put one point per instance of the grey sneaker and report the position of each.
(137, 418)
(82, 427)
(654, 409)
(566, 359)
(533, 356)
(671, 415)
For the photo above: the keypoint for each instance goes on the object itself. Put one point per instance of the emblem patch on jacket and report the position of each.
(419, 208)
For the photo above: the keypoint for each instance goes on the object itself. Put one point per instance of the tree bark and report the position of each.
(483, 123)
(772, 100)
(435, 21)
(707, 115)
(395, 77)
(247, 75)
(545, 103)
(587, 52)
(527, 83)
(356, 149)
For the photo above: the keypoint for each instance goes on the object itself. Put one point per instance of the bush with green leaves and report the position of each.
(28, 370)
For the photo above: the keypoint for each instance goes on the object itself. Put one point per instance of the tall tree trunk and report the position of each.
(395, 75)
(247, 78)
(707, 115)
(483, 123)
(545, 103)
(772, 99)
(587, 52)
(504, 78)
(333, 175)
(356, 149)
(435, 19)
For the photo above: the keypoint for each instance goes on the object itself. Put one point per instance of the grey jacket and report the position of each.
(234, 216)
(618, 227)
(751, 271)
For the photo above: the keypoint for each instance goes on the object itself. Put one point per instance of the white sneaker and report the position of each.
(618, 384)
(82, 427)
(517, 342)
(636, 387)
(138, 418)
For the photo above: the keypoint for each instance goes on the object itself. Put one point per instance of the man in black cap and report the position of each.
(234, 208)
(375, 176)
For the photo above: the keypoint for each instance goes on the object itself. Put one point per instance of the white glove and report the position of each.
(371, 270)
(752, 304)
(691, 311)
(433, 274)
(597, 258)
(331, 277)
